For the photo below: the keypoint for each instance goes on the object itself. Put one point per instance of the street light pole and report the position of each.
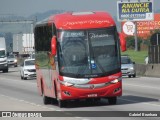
(135, 37)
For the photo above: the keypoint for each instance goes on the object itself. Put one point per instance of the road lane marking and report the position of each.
(150, 78)
(44, 107)
(18, 81)
(31, 103)
(139, 102)
(142, 86)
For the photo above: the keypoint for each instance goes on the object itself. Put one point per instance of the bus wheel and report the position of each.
(61, 103)
(46, 100)
(53, 100)
(112, 100)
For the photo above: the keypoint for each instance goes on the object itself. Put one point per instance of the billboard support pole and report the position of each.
(135, 37)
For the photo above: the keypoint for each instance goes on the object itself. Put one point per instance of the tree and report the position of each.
(131, 42)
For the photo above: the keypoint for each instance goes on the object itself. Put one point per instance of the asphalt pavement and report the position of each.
(139, 94)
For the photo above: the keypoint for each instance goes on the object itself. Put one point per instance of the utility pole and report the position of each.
(18, 21)
(135, 37)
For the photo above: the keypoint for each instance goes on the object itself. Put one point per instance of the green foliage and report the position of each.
(155, 31)
(136, 56)
(131, 42)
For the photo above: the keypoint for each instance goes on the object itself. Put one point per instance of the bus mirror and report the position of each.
(53, 45)
(122, 42)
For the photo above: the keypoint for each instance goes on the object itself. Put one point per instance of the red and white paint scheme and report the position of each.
(77, 56)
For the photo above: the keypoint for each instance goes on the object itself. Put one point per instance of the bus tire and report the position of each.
(61, 103)
(112, 100)
(46, 100)
(53, 101)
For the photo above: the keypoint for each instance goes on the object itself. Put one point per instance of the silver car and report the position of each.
(127, 67)
(12, 60)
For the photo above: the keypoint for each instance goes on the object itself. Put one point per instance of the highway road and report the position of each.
(139, 94)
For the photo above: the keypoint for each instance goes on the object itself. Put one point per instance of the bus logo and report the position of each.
(92, 87)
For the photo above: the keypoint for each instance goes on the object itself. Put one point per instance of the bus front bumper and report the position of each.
(73, 92)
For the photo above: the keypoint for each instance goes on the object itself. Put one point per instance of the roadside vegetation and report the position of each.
(136, 56)
(140, 55)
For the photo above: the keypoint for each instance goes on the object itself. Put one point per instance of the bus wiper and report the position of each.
(80, 71)
(99, 65)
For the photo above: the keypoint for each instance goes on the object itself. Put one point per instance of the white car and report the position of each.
(27, 69)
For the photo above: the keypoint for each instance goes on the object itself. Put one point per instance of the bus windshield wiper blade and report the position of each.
(80, 72)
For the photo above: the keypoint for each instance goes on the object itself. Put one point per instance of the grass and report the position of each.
(136, 56)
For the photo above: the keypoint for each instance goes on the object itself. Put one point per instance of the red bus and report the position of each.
(78, 57)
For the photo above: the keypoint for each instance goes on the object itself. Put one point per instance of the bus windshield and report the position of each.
(88, 53)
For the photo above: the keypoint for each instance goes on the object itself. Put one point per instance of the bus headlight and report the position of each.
(116, 80)
(66, 83)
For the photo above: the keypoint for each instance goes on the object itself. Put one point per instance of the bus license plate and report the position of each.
(92, 95)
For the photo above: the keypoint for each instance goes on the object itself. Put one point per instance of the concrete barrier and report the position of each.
(153, 70)
(140, 69)
(150, 70)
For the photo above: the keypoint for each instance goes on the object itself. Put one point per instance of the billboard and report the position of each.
(134, 10)
(145, 28)
(129, 28)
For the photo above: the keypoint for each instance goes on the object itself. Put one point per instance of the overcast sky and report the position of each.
(29, 7)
